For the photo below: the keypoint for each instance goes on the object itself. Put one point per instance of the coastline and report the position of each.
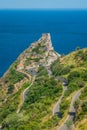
(31, 44)
(17, 32)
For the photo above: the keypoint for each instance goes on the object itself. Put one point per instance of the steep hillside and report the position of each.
(43, 90)
(74, 68)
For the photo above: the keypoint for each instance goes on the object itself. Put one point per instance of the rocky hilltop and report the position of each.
(39, 53)
(45, 91)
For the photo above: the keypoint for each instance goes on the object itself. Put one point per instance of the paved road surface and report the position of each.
(56, 109)
(23, 96)
(27, 90)
(71, 112)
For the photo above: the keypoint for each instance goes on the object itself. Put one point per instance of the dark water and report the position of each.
(19, 28)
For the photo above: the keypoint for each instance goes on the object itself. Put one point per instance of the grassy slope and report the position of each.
(36, 112)
(76, 62)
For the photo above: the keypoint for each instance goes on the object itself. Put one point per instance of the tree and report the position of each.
(73, 75)
(10, 89)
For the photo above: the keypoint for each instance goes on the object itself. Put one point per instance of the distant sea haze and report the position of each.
(19, 28)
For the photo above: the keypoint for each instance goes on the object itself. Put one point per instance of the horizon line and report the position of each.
(43, 9)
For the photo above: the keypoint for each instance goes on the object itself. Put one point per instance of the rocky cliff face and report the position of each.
(39, 53)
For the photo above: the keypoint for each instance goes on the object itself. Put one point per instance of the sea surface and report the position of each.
(19, 28)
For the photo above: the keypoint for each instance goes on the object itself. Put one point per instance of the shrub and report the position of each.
(63, 106)
(84, 107)
(76, 104)
(10, 89)
(84, 75)
(80, 84)
(73, 75)
(80, 55)
(59, 69)
(42, 71)
(14, 76)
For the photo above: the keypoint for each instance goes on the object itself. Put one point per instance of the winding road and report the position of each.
(56, 109)
(25, 92)
(27, 89)
(71, 113)
(25, 74)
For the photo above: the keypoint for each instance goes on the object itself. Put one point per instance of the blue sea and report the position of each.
(19, 28)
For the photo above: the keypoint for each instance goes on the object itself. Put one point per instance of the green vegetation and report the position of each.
(44, 92)
(28, 60)
(36, 49)
(81, 55)
(73, 76)
(69, 124)
(59, 69)
(81, 105)
(8, 115)
(36, 112)
(42, 71)
(75, 83)
(76, 78)
(13, 76)
(40, 48)
(42, 89)
(10, 88)
(51, 123)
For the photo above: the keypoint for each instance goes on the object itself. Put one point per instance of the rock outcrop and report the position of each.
(39, 53)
